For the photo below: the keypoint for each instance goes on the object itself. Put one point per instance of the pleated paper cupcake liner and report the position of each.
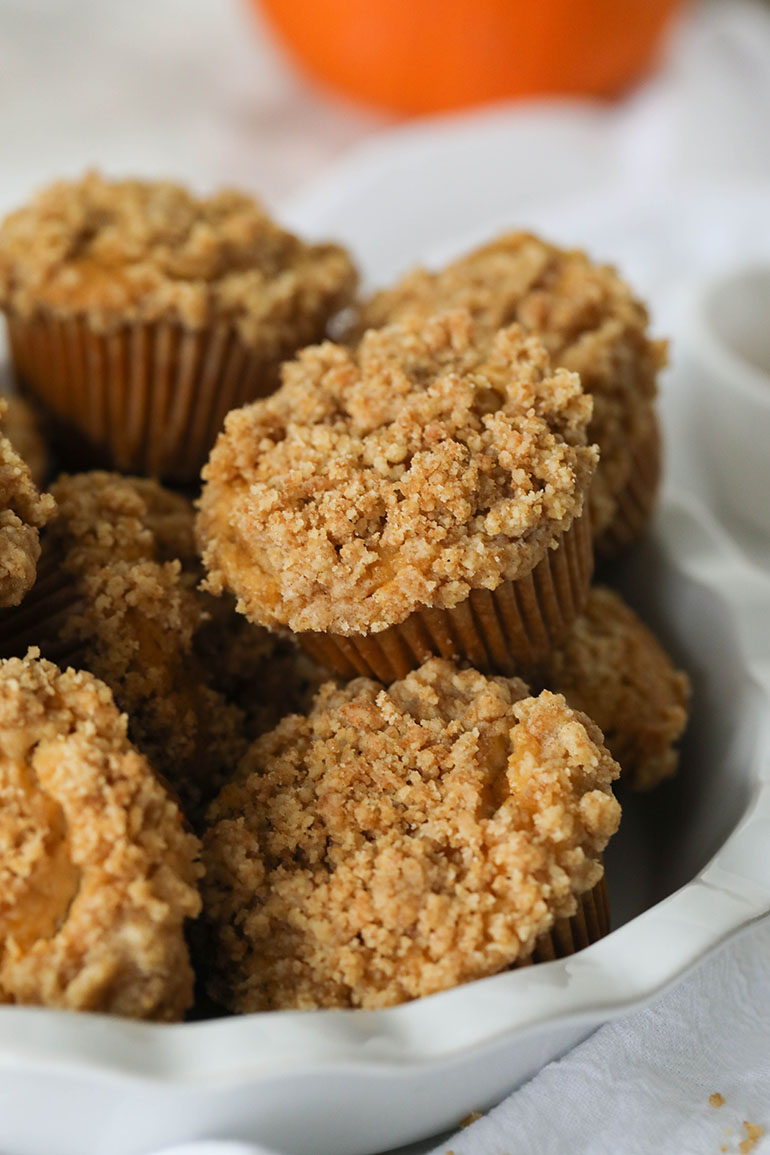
(636, 499)
(146, 398)
(42, 616)
(509, 630)
(590, 922)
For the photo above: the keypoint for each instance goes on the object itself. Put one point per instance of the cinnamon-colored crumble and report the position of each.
(22, 428)
(586, 317)
(97, 874)
(615, 670)
(119, 251)
(23, 512)
(716, 1099)
(399, 841)
(433, 459)
(119, 567)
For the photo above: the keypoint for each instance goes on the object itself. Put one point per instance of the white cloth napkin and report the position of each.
(641, 1086)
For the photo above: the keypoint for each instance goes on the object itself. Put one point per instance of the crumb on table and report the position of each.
(753, 1134)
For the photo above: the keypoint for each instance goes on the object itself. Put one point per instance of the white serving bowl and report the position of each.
(689, 868)
(728, 338)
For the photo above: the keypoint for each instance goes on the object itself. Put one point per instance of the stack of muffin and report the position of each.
(372, 673)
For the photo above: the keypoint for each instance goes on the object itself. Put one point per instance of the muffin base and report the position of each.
(508, 630)
(145, 398)
(590, 922)
(40, 618)
(636, 499)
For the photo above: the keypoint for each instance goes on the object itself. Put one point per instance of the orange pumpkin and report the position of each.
(421, 56)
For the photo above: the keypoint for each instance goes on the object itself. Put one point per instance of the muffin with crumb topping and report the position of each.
(397, 842)
(422, 494)
(614, 669)
(139, 315)
(98, 875)
(590, 322)
(116, 596)
(23, 513)
(23, 428)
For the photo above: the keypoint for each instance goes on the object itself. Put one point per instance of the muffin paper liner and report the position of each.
(509, 630)
(636, 499)
(590, 922)
(146, 398)
(39, 620)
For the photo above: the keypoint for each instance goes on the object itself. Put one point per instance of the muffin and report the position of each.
(396, 842)
(116, 596)
(421, 494)
(590, 323)
(138, 314)
(97, 873)
(612, 668)
(266, 675)
(23, 512)
(23, 429)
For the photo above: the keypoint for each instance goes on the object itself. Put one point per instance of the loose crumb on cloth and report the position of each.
(753, 1134)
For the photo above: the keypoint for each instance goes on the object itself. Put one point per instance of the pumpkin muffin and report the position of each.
(139, 315)
(23, 430)
(265, 674)
(97, 872)
(421, 494)
(613, 669)
(396, 842)
(23, 512)
(590, 323)
(116, 596)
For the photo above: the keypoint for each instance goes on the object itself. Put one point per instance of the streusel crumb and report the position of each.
(433, 459)
(615, 670)
(22, 428)
(123, 550)
(97, 873)
(586, 317)
(23, 512)
(396, 842)
(119, 251)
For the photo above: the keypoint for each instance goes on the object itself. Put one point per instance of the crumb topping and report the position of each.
(613, 669)
(23, 512)
(22, 429)
(126, 544)
(128, 250)
(433, 459)
(397, 842)
(585, 315)
(97, 873)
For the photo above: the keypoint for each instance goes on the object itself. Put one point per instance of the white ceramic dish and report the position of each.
(728, 334)
(689, 868)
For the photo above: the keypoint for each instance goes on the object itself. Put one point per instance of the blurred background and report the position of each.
(269, 95)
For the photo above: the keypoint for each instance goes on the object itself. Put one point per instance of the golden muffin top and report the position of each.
(398, 841)
(584, 313)
(127, 250)
(434, 458)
